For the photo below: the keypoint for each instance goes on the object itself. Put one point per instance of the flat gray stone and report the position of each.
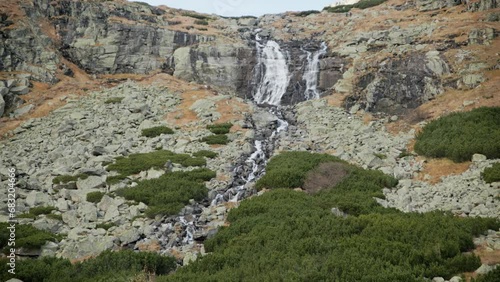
(91, 182)
(20, 90)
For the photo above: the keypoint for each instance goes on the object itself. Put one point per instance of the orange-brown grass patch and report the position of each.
(336, 99)
(490, 257)
(230, 110)
(183, 115)
(153, 246)
(437, 168)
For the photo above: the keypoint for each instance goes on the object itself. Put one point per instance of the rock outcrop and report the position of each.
(402, 83)
(226, 66)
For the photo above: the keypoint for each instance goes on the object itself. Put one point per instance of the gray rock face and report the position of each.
(481, 5)
(430, 5)
(91, 37)
(222, 65)
(401, 84)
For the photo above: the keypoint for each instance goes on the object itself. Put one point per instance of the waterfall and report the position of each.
(273, 69)
(312, 71)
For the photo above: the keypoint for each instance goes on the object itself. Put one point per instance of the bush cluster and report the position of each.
(114, 100)
(285, 235)
(306, 13)
(220, 128)
(156, 131)
(460, 135)
(27, 236)
(136, 163)
(216, 139)
(171, 192)
(108, 266)
(63, 179)
(196, 16)
(363, 4)
(205, 153)
(36, 211)
(492, 174)
(289, 169)
(201, 22)
(95, 197)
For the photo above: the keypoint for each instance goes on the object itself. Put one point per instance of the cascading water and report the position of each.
(274, 75)
(312, 71)
(272, 79)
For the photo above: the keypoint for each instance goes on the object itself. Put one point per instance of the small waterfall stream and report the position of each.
(312, 72)
(273, 68)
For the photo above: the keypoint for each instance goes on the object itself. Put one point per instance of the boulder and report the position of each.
(20, 90)
(484, 269)
(91, 182)
(129, 236)
(479, 158)
(35, 198)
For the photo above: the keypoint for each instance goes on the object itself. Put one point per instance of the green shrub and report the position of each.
(339, 9)
(157, 131)
(63, 179)
(26, 215)
(460, 135)
(105, 226)
(54, 216)
(289, 169)
(306, 13)
(215, 139)
(285, 235)
(220, 128)
(363, 4)
(380, 156)
(491, 174)
(95, 197)
(201, 22)
(196, 16)
(108, 266)
(114, 100)
(169, 193)
(206, 154)
(26, 236)
(36, 211)
(42, 210)
(136, 163)
(111, 180)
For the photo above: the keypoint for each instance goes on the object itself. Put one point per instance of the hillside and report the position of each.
(133, 127)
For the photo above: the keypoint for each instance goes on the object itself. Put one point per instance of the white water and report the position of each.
(312, 71)
(275, 77)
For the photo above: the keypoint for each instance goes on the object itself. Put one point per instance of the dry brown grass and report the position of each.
(437, 168)
(324, 176)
